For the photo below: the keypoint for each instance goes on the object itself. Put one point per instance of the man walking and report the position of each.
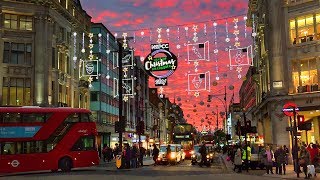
(155, 154)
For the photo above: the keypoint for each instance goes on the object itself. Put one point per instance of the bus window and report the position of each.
(84, 117)
(12, 118)
(73, 118)
(35, 117)
(84, 143)
(8, 148)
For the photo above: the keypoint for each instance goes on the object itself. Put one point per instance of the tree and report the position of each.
(220, 136)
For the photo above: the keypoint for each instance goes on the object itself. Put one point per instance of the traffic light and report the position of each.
(119, 126)
(300, 119)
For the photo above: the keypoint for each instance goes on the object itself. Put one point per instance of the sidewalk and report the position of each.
(147, 161)
(290, 174)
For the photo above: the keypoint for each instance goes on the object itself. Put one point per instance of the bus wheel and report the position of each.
(65, 164)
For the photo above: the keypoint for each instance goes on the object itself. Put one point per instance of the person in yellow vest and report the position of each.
(244, 156)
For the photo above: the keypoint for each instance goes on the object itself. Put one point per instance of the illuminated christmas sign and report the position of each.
(160, 63)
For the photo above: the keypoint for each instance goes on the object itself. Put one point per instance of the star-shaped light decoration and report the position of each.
(235, 20)
(125, 70)
(236, 32)
(173, 67)
(195, 27)
(239, 69)
(124, 45)
(159, 40)
(196, 63)
(237, 44)
(196, 94)
(149, 58)
(125, 98)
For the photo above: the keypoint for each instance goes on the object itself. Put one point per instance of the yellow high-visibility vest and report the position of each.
(244, 153)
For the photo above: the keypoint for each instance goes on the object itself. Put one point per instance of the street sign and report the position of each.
(289, 107)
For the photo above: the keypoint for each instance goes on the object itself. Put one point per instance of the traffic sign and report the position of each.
(289, 107)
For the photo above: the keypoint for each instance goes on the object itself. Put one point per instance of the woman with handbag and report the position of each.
(238, 161)
(304, 160)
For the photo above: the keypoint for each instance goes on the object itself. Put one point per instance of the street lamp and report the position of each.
(224, 102)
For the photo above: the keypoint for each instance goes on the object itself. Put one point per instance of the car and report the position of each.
(195, 155)
(210, 151)
(175, 157)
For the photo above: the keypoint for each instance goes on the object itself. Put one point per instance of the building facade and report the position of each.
(288, 66)
(103, 102)
(36, 53)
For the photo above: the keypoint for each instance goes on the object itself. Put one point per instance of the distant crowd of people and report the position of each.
(278, 158)
(132, 155)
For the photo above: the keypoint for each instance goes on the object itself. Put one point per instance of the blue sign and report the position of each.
(19, 132)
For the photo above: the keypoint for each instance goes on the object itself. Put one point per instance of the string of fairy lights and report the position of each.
(192, 42)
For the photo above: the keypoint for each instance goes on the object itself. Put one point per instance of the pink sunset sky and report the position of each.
(210, 21)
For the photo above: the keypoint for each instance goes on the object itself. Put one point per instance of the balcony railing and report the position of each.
(296, 2)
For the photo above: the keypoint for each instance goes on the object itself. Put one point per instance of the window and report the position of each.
(17, 53)
(302, 29)
(94, 96)
(85, 143)
(8, 148)
(35, 117)
(16, 91)
(26, 23)
(73, 118)
(305, 75)
(12, 21)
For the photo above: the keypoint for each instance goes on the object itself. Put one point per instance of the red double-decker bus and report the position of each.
(183, 134)
(46, 138)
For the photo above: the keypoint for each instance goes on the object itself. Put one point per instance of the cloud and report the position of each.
(146, 16)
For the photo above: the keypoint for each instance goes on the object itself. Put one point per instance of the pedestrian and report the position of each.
(134, 156)
(304, 160)
(127, 155)
(314, 154)
(104, 152)
(268, 156)
(280, 157)
(286, 150)
(168, 152)
(116, 150)
(155, 154)
(238, 161)
(142, 152)
(203, 152)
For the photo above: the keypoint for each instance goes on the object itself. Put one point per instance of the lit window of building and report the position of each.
(12, 21)
(16, 91)
(302, 29)
(305, 76)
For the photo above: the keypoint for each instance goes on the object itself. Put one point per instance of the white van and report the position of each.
(176, 155)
